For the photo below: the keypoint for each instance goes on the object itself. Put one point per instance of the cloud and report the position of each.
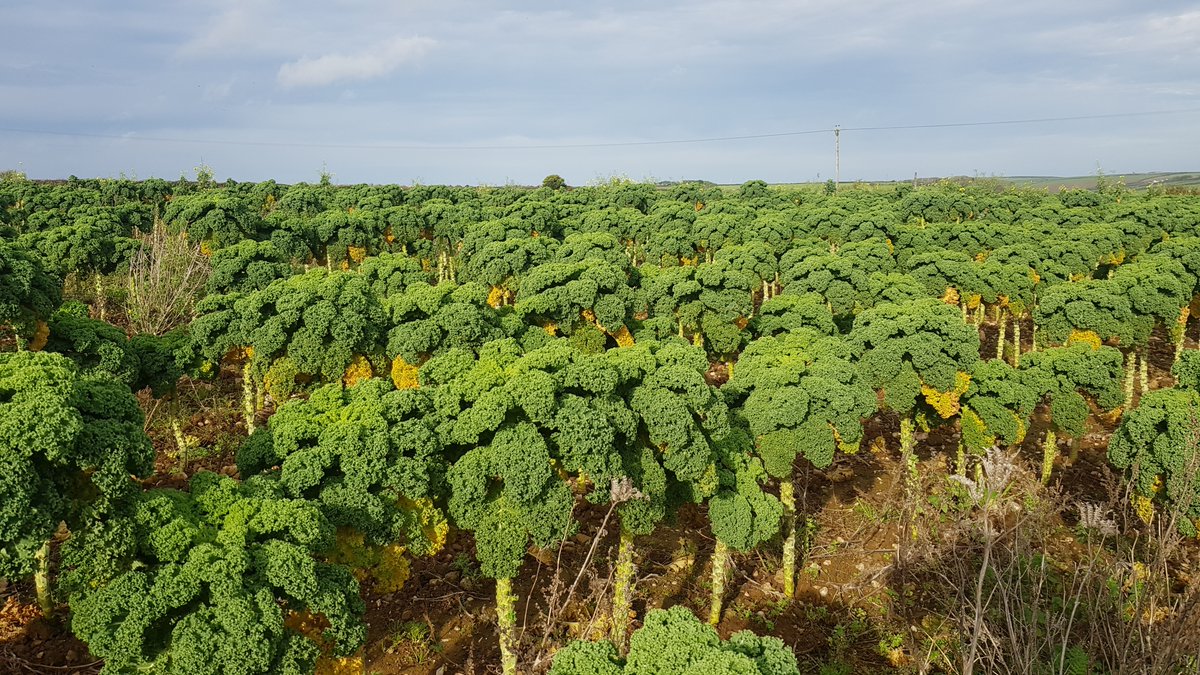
(217, 91)
(548, 72)
(231, 29)
(365, 65)
(1164, 37)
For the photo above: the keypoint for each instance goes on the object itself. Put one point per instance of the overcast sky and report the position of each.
(325, 84)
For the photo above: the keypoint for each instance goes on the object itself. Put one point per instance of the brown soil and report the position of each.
(30, 643)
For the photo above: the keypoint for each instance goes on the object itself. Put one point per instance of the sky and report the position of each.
(457, 91)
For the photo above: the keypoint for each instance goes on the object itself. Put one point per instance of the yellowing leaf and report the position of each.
(499, 296)
(950, 297)
(404, 375)
(347, 665)
(392, 570)
(358, 370)
(433, 523)
(623, 337)
(238, 355)
(41, 336)
(1087, 337)
(1144, 508)
(946, 403)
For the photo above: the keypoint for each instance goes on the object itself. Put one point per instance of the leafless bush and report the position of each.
(166, 277)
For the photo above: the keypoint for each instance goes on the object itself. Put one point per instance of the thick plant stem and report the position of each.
(41, 579)
(622, 592)
(908, 462)
(1076, 446)
(1144, 372)
(1033, 338)
(1002, 324)
(248, 398)
(181, 444)
(908, 458)
(1049, 452)
(1130, 367)
(1016, 341)
(787, 495)
(506, 621)
(960, 460)
(720, 561)
(99, 281)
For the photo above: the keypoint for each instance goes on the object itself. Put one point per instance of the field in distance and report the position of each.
(1134, 181)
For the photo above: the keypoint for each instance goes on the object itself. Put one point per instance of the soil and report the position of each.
(30, 643)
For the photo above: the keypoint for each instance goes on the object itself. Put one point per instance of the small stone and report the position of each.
(582, 538)
(453, 576)
(823, 591)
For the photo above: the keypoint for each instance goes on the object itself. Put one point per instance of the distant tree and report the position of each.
(554, 182)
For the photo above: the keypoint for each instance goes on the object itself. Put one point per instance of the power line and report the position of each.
(1034, 120)
(577, 146)
(352, 146)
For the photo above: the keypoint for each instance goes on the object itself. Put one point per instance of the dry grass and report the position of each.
(1010, 587)
(166, 277)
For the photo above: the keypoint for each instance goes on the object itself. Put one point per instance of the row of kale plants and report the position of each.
(618, 346)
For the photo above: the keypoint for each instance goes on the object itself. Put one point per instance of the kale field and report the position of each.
(627, 428)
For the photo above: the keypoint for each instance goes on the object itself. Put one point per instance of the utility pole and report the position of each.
(837, 155)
